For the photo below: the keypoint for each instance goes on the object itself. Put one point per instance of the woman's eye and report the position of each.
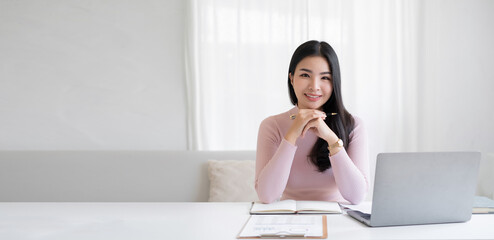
(304, 75)
(326, 78)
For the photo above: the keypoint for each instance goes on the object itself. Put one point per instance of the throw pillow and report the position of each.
(232, 181)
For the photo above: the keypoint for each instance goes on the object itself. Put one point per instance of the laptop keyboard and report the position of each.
(365, 215)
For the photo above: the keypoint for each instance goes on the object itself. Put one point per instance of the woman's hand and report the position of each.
(321, 129)
(310, 119)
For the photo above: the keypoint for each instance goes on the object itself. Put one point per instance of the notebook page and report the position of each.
(318, 206)
(285, 205)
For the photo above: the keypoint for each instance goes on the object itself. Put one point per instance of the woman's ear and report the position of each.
(290, 75)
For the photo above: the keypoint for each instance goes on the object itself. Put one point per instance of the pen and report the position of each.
(294, 115)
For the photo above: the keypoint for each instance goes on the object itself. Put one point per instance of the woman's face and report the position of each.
(312, 82)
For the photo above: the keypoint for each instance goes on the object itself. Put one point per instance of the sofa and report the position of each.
(121, 176)
(144, 176)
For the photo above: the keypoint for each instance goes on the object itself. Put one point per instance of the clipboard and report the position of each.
(279, 227)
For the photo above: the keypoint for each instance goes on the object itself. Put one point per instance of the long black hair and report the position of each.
(342, 123)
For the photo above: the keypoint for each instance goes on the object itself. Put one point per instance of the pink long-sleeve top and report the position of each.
(283, 170)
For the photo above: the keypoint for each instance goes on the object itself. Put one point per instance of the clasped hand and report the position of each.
(310, 120)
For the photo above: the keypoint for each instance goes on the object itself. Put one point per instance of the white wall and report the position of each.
(78, 75)
(457, 76)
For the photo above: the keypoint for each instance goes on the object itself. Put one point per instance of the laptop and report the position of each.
(422, 188)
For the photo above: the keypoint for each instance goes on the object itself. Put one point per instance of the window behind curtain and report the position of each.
(239, 62)
(237, 66)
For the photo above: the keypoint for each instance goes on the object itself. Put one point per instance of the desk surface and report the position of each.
(191, 221)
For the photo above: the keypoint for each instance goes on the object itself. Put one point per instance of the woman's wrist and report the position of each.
(291, 138)
(332, 139)
(335, 147)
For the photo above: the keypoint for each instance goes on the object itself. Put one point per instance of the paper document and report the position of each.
(284, 226)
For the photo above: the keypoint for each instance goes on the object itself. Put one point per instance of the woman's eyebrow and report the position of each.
(310, 71)
(305, 69)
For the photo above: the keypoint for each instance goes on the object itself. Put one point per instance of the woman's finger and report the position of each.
(311, 124)
(307, 115)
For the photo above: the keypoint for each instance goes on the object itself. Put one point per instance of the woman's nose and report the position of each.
(314, 86)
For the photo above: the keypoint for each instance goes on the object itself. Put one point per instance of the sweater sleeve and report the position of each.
(274, 159)
(351, 166)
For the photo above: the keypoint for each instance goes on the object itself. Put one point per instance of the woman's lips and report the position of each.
(312, 98)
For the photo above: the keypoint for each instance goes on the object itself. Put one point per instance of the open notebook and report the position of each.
(292, 206)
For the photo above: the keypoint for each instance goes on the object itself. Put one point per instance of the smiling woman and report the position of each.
(290, 150)
(312, 80)
(403, 62)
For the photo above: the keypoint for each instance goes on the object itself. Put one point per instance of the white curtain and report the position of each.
(237, 64)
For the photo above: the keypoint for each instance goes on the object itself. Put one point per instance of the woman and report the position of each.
(316, 150)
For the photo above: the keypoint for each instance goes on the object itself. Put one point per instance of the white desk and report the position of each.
(168, 221)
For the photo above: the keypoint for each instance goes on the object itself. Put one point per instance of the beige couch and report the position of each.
(156, 176)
